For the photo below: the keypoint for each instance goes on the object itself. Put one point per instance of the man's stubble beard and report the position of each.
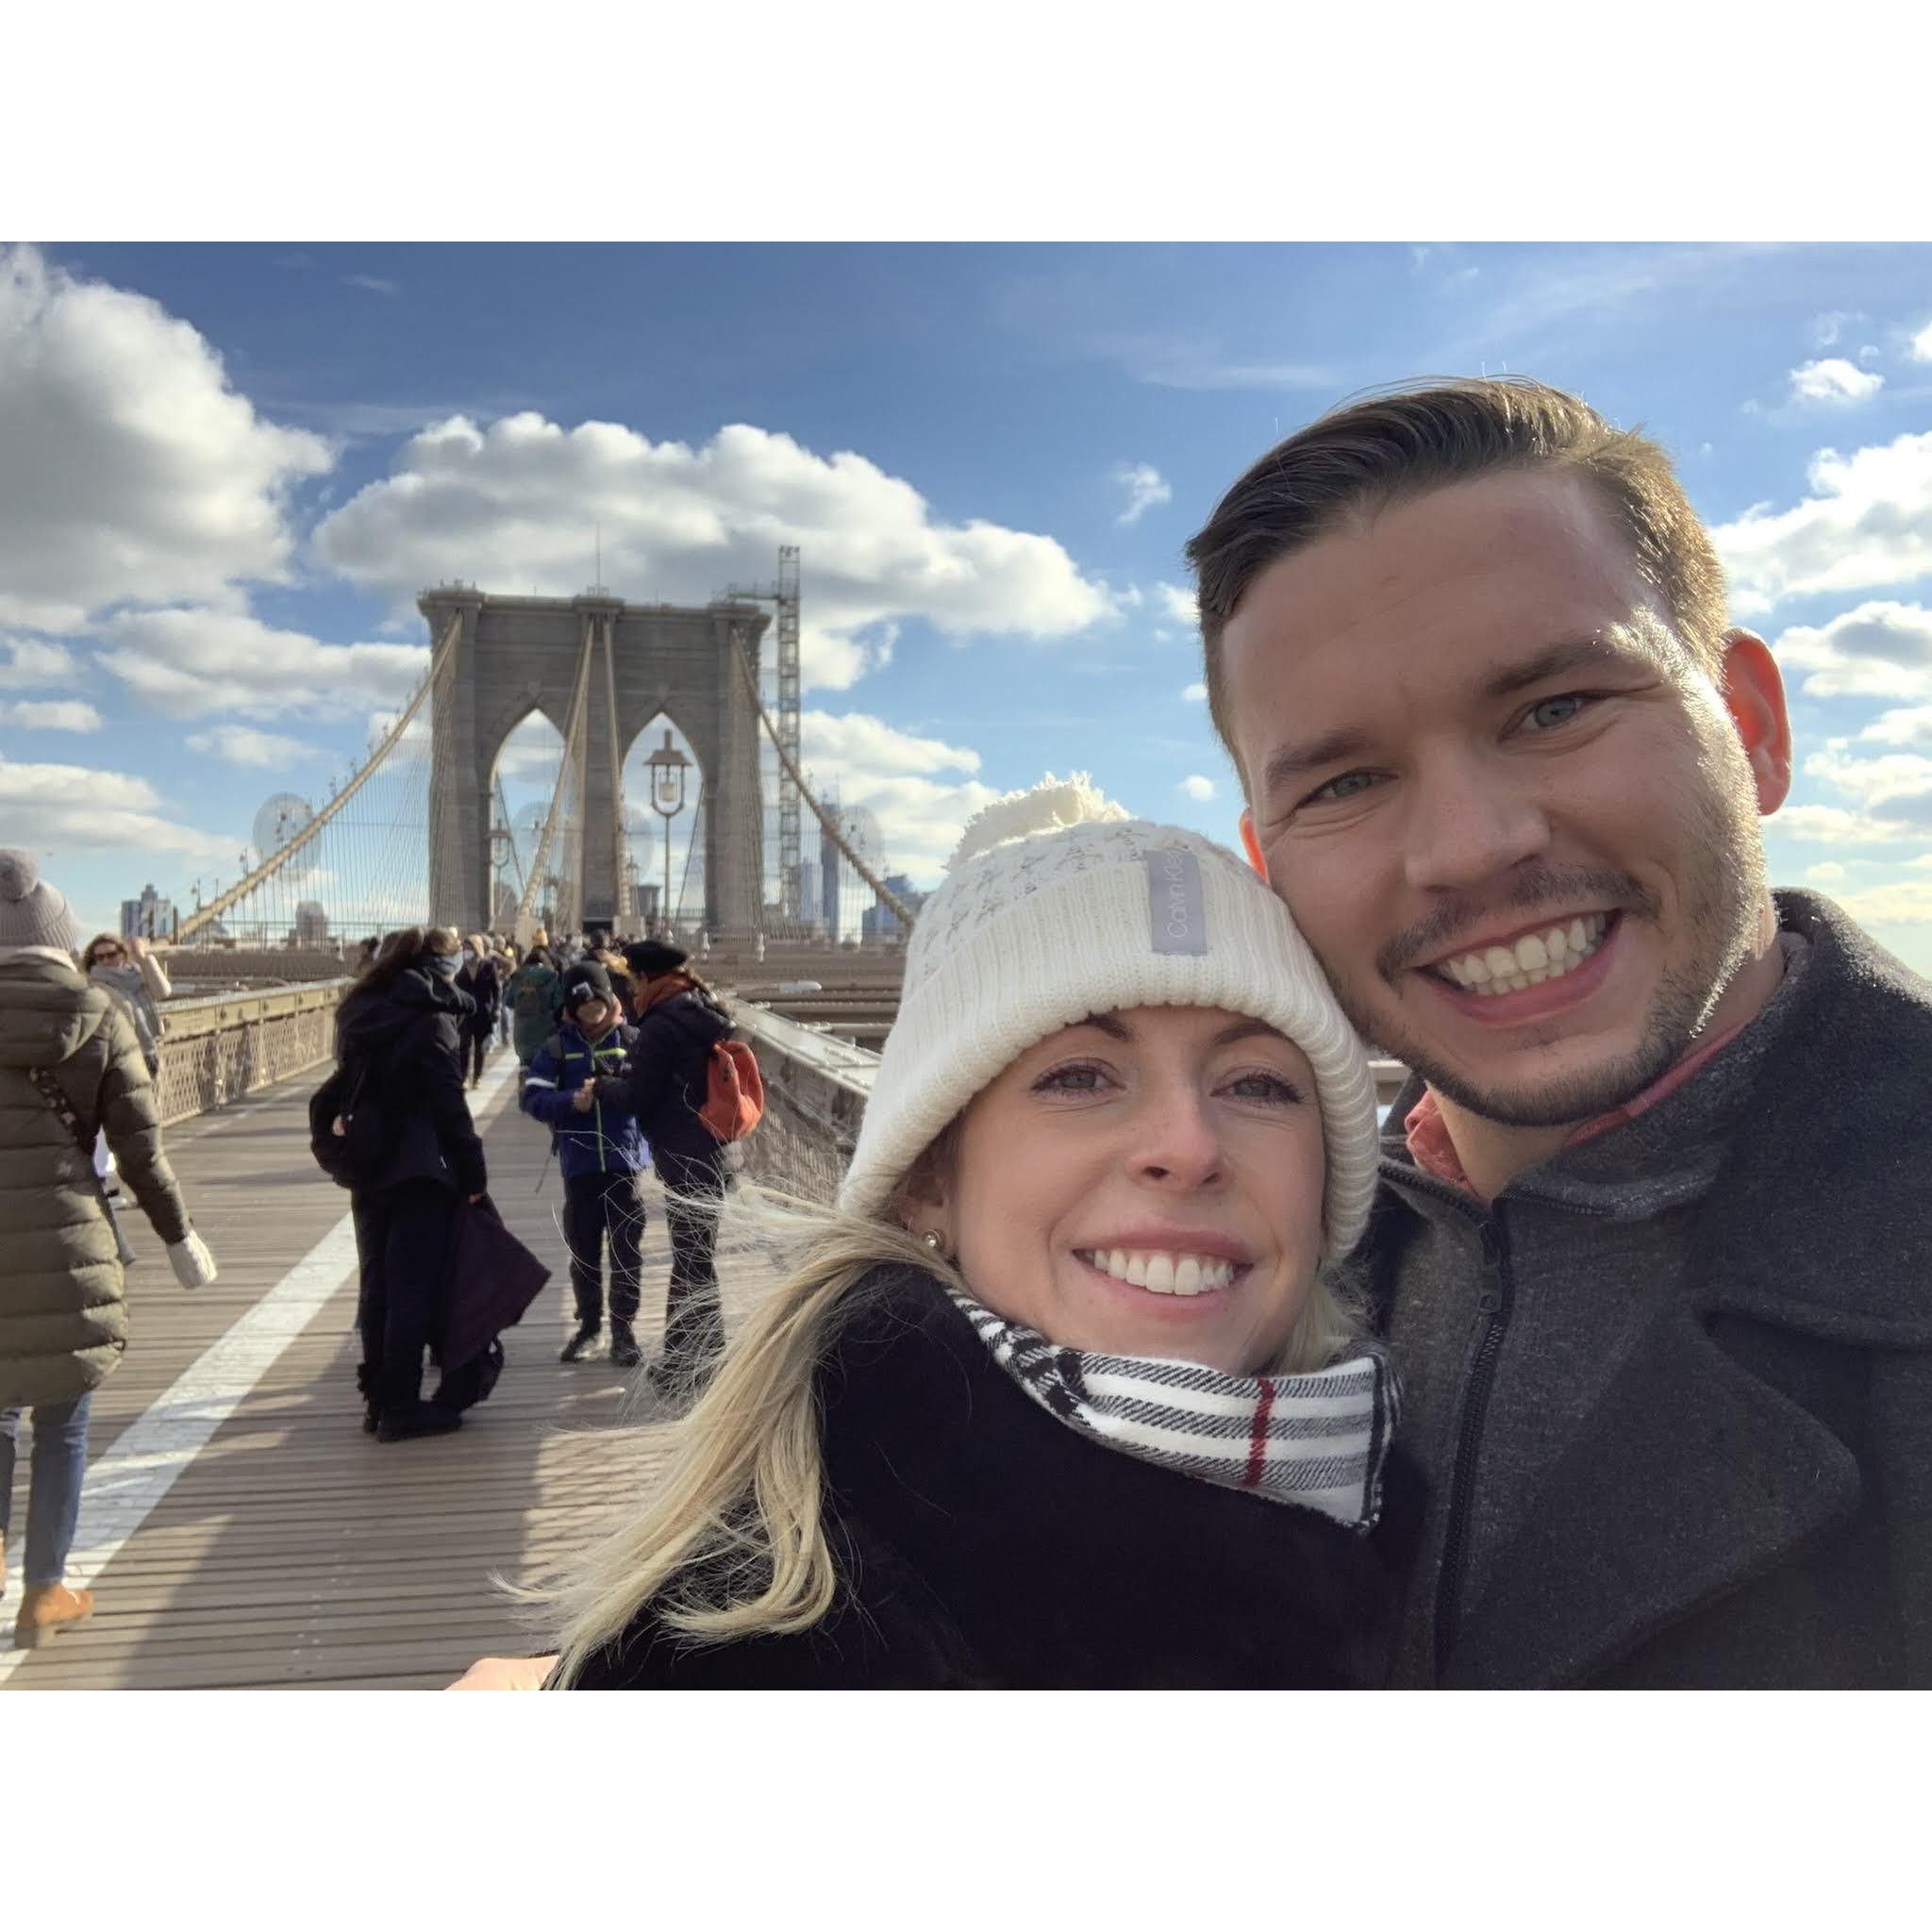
(1723, 893)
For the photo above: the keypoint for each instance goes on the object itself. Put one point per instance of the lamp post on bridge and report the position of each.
(668, 767)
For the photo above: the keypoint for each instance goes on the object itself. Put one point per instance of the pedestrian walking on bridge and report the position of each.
(535, 993)
(663, 1088)
(477, 977)
(401, 1024)
(129, 968)
(71, 1066)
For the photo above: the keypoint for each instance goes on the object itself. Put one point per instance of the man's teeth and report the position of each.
(1161, 1272)
(1535, 957)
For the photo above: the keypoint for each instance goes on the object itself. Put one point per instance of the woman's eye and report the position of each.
(1270, 1087)
(1069, 1080)
(1554, 711)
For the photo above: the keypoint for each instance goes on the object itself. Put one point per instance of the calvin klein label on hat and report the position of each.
(1176, 910)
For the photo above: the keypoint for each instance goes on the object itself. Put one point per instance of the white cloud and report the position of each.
(1880, 650)
(1826, 875)
(1198, 786)
(376, 285)
(532, 754)
(514, 501)
(1832, 824)
(189, 663)
(1867, 523)
(1909, 727)
(1826, 329)
(1903, 902)
(901, 779)
(129, 470)
(63, 809)
(1833, 381)
(61, 714)
(1194, 693)
(854, 739)
(1145, 488)
(31, 664)
(1182, 606)
(1892, 778)
(1921, 350)
(241, 745)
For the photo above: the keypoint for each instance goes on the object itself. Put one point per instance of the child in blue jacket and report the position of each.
(601, 1151)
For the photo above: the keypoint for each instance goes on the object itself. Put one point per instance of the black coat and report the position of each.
(982, 1544)
(478, 979)
(411, 1031)
(1750, 1501)
(665, 1082)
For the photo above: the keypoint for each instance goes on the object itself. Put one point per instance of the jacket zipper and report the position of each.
(1493, 1306)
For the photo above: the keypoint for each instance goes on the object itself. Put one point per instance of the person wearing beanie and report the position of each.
(1059, 1394)
(662, 1087)
(602, 1155)
(70, 1068)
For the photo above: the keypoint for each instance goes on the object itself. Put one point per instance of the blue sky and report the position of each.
(226, 470)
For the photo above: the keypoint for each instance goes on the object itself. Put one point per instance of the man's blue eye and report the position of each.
(1554, 711)
(1344, 787)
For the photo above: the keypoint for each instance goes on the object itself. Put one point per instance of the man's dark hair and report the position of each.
(1399, 444)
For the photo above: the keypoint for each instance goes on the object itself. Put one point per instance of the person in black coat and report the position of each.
(478, 976)
(1059, 1394)
(405, 1019)
(663, 1086)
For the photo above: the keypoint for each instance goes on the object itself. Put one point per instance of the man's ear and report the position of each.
(1252, 845)
(1754, 694)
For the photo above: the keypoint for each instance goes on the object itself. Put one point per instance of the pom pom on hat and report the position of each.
(18, 875)
(1050, 806)
(33, 914)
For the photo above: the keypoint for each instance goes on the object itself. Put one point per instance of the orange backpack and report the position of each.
(734, 1091)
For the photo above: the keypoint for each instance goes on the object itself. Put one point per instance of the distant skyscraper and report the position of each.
(878, 923)
(149, 916)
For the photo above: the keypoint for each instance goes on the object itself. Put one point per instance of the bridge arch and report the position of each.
(515, 654)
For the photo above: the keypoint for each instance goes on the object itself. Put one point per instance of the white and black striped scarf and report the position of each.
(1317, 1440)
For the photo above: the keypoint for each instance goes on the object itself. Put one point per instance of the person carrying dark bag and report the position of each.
(679, 1021)
(400, 1028)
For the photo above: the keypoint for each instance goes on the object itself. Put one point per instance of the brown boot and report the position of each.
(48, 1607)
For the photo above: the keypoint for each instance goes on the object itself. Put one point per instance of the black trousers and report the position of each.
(693, 1323)
(405, 1243)
(600, 1209)
(475, 1043)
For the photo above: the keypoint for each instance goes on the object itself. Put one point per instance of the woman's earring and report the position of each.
(932, 1241)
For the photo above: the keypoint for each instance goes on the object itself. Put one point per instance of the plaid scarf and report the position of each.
(1317, 1439)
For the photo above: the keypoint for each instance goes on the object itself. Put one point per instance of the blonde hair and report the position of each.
(730, 1542)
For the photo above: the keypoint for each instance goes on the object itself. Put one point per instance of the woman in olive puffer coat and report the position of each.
(64, 1315)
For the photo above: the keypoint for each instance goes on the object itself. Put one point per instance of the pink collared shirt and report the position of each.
(1434, 1152)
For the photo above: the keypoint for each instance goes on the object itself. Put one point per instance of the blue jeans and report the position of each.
(53, 1502)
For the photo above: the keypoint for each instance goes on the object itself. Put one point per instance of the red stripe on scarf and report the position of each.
(1258, 1436)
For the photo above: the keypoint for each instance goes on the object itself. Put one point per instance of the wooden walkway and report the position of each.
(292, 1549)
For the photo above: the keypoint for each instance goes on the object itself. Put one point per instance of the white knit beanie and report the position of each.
(1092, 916)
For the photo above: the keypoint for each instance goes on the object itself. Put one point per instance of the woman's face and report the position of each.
(1146, 1183)
(108, 953)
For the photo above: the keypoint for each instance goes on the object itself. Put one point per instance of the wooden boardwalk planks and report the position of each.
(294, 1550)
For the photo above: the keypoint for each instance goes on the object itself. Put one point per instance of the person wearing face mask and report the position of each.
(401, 1024)
(1059, 1395)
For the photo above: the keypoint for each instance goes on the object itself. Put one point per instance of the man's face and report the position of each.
(1514, 818)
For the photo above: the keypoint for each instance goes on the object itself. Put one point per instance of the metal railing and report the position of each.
(816, 1087)
(214, 1050)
